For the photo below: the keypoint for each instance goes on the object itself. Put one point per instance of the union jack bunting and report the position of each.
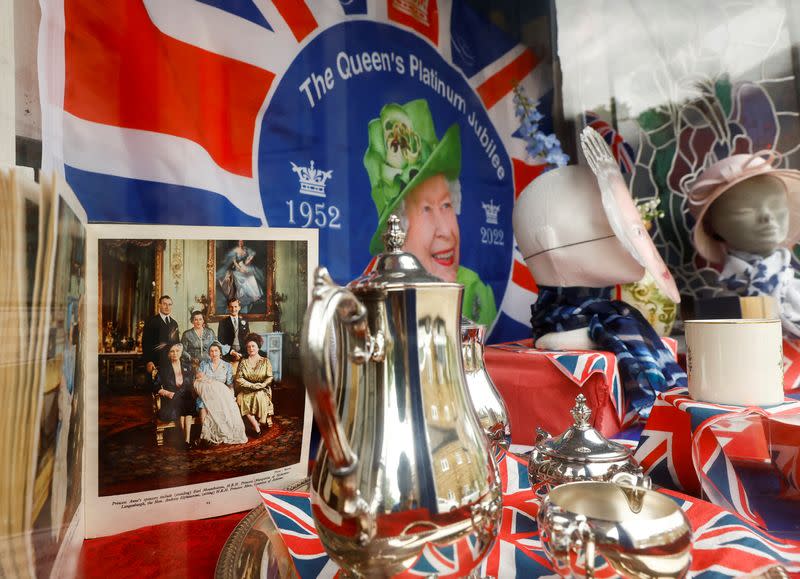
(715, 468)
(784, 435)
(579, 366)
(517, 552)
(725, 545)
(791, 365)
(664, 446)
(291, 513)
(690, 445)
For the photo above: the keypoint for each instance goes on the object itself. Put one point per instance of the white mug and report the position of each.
(737, 362)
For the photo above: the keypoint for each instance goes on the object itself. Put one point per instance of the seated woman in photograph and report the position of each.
(253, 385)
(173, 383)
(197, 339)
(219, 415)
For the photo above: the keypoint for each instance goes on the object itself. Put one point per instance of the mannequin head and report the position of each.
(745, 203)
(752, 216)
(565, 236)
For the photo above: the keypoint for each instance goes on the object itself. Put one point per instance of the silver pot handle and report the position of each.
(329, 301)
(586, 540)
(588, 551)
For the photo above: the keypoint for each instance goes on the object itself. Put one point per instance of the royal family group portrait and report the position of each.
(199, 376)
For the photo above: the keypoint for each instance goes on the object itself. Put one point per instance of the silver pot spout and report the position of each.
(489, 405)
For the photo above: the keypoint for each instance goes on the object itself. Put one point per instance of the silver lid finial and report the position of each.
(581, 412)
(395, 237)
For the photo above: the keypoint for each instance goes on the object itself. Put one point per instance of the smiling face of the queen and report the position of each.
(433, 235)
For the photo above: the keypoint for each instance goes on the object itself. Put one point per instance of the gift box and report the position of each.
(742, 458)
(539, 388)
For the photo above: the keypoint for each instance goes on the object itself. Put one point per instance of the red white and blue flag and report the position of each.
(714, 465)
(291, 512)
(784, 447)
(517, 552)
(623, 152)
(196, 111)
(791, 365)
(665, 444)
(724, 544)
(579, 366)
(692, 446)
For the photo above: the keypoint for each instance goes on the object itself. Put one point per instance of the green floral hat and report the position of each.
(403, 152)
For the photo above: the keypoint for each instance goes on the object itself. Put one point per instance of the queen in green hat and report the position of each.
(414, 175)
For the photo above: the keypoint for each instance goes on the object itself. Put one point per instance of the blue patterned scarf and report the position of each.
(748, 274)
(646, 365)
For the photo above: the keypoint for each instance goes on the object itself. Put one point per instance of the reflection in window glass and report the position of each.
(676, 86)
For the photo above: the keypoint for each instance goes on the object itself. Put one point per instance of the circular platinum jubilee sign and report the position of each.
(370, 120)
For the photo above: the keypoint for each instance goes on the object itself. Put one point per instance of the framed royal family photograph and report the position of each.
(195, 351)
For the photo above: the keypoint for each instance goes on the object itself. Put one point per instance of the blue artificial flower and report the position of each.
(538, 143)
(535, 115)
(557, 157)
(551, 141)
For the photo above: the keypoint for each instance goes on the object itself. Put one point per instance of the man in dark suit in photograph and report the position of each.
(232, 330)
(159, 332)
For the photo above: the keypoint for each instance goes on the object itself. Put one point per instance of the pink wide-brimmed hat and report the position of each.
(724, 174)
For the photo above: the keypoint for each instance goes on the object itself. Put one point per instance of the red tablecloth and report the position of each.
(537, 393)
(171, 550)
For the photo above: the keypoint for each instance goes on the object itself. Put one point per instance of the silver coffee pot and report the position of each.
(404, 462)
(488, 404)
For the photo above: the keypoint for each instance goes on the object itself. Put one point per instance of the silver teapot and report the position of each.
(488, 404)
(581, 453)
(404, 463)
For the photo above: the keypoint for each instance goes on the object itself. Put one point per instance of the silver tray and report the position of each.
(255, 550)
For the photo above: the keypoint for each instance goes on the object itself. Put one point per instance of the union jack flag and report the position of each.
(724, 544)
(664, 446)
(446, 561)
(155, 111)
(291, 513)
(622, 151)
(751, 465)
(689, 445)
(579, 366)
(791, 365)
(718, 477)
(517, 549)
(785, 452)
